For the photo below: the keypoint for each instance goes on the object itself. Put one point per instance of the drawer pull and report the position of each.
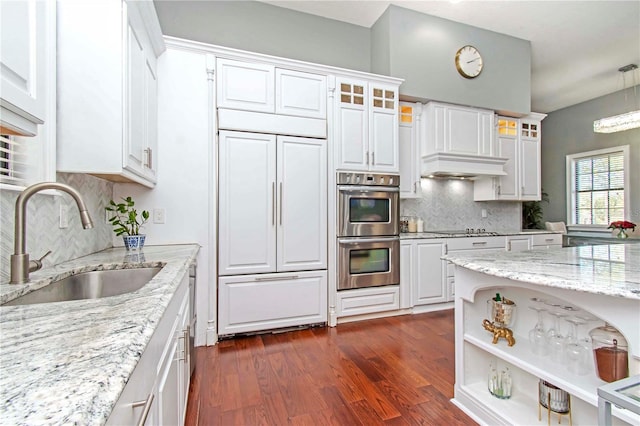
(146, 409)
(549, 240)
(292, 277)
(479, 243)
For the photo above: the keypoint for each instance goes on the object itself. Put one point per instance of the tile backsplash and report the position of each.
(42, 225)
(448, 205)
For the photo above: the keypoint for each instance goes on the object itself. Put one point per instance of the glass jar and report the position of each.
(413, 224)
(611, 353)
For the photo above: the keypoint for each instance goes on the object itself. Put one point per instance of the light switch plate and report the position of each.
(158, 215)
(64, 216)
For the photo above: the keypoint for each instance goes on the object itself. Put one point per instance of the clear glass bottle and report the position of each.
(611, 353)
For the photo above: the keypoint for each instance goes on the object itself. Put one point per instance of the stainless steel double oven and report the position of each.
(368, 230)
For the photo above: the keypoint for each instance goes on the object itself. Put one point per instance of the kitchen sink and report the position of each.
(89, 285)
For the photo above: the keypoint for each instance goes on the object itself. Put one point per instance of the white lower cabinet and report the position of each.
(173, 379)
(368, 300)
(425, 270)
(518, 243)
(161, 377)
(546, 240)
(250, 303)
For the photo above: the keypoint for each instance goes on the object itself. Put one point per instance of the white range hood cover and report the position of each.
(461, 165)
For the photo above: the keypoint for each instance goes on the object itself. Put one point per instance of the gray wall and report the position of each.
(421, 49)
(569, 131)
(403, 43)
(262, 28)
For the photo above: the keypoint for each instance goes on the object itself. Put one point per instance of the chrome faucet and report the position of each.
(20, 264)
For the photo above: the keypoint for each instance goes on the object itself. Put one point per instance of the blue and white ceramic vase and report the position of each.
(133, 242)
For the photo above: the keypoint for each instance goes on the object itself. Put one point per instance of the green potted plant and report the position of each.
(126, 222)
(532, 213)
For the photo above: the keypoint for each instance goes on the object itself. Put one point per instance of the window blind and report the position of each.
(13, 162)
(599, 189)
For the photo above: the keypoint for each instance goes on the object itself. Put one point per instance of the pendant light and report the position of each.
(620, 122)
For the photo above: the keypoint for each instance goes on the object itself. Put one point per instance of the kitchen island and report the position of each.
(603, 280)
(68, 362)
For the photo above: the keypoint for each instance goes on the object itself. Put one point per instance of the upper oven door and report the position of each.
(368, 211)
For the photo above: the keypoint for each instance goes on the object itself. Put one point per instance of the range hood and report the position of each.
(450, 165)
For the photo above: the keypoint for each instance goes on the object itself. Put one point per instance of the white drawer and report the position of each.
(546, 240)
(472, 243)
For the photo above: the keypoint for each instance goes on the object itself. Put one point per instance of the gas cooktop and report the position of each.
(469, 232)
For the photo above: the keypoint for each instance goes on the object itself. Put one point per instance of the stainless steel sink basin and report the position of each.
(89, 285)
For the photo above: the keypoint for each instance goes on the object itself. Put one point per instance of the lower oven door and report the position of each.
(368, 262)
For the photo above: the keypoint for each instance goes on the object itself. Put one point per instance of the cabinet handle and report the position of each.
(281, 197)
(367, 158)
(291, 277)
(149, 161)
(145, 411)
(415, 187)
(373, 158)
(549, 240)
(273, 203)
(499, 189)
(479, 243)
(187, 345)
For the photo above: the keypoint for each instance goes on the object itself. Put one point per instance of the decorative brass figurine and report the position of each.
(499, 332)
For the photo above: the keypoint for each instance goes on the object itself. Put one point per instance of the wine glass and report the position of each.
(537, 335)
(576, 353)
(555, 338)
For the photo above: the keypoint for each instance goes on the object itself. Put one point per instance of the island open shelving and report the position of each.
(479, 277)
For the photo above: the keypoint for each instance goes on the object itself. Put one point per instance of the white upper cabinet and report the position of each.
(458, 130)
(518, 140)
(107, 89)
(24, 46)
(408, 145)
(245, 85)
(367, 125)
(250, 86)
(272, 203)
(301, 94)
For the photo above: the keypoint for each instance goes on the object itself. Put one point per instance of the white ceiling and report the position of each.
(577, 46)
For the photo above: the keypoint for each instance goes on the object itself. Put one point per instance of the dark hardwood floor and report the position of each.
(395, 371)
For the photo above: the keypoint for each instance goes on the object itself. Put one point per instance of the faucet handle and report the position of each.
(35, 265)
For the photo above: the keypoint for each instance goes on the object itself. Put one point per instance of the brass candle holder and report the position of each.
(553, 399)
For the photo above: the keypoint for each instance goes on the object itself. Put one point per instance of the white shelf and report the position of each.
(521, 357)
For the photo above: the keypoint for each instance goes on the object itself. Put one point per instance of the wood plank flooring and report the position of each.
(388, 371)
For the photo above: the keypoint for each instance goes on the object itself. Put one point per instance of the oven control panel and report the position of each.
(374, 179)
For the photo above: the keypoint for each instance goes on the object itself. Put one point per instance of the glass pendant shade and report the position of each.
(617, 123)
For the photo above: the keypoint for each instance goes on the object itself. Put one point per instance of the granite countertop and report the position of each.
(68, 362)
(612, 270)
(434, 234)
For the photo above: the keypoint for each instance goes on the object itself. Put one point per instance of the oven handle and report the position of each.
(368, 188)
(368, 240)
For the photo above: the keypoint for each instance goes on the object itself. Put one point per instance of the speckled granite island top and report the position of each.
(68, 362)
(612, 269)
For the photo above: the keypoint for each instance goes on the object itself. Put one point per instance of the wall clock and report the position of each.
(469, 62)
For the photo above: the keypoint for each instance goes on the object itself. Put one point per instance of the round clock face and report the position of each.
(468, 62)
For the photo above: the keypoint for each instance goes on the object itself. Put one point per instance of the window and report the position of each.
(27, 160)
(598, 183)
(12, 161)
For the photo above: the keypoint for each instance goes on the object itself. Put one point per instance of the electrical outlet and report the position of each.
(64, 216)
(158, 215)
(484, 213)
(107, 216)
